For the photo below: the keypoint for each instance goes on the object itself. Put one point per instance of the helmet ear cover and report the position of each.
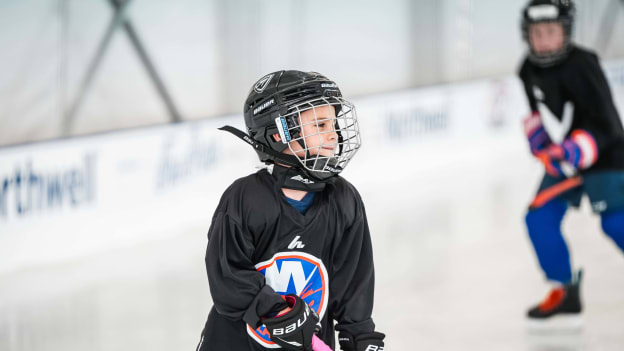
(268, 133)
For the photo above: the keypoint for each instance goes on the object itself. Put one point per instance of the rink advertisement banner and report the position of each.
(70, 198)
(58, 178)
(35, 186)
(466, 110)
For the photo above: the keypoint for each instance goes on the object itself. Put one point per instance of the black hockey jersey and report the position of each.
(259, 247)
(577, 88)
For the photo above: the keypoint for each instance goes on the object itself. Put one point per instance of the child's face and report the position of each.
(317, 128)
(546, 37)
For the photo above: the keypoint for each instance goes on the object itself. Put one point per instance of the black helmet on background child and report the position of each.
(540, 11)
(274, 106)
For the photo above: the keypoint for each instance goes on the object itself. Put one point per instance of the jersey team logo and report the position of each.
(294, 273)
(564, 123)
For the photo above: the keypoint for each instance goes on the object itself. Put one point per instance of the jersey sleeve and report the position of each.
(238, 290)
(590, 91)
(353, 280)
(527, 84)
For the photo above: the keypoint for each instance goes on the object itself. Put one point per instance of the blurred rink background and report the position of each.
(111, 165)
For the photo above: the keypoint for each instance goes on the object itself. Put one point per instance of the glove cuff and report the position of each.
(532, 123)
(362, 342)
(582, 147)
(370, 342)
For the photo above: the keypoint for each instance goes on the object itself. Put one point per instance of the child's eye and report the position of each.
(321, 125)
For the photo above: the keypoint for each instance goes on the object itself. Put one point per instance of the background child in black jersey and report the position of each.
(564, 81)
(289, 251)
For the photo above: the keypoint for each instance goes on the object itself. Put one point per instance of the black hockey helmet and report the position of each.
(274, 106)
(540, 11)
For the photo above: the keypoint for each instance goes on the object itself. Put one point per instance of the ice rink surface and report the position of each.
(455, 269)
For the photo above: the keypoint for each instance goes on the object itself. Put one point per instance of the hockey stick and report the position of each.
(319, 345)
(546, 195)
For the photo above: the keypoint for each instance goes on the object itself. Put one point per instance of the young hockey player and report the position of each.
(289, 251)
(564, 81)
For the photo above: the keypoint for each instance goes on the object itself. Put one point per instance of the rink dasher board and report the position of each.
(70, 198)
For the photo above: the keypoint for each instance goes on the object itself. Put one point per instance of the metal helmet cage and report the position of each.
(544, 11)
(324, 141)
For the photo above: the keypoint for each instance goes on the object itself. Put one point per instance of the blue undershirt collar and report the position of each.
(303, 205)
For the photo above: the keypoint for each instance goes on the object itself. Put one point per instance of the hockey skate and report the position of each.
(560, 311)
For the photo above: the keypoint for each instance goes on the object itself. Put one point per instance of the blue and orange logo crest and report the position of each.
(294, 273)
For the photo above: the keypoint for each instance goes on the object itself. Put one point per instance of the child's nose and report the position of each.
(332, 135)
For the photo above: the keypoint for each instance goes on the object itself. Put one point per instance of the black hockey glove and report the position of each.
(363, 342)
(294, 330)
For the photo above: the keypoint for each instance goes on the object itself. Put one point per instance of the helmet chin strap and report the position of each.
(299, 178)
(293, 178)
(288, 160)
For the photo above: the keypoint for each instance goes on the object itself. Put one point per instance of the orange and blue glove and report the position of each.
(579, 151)
(536, 133)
